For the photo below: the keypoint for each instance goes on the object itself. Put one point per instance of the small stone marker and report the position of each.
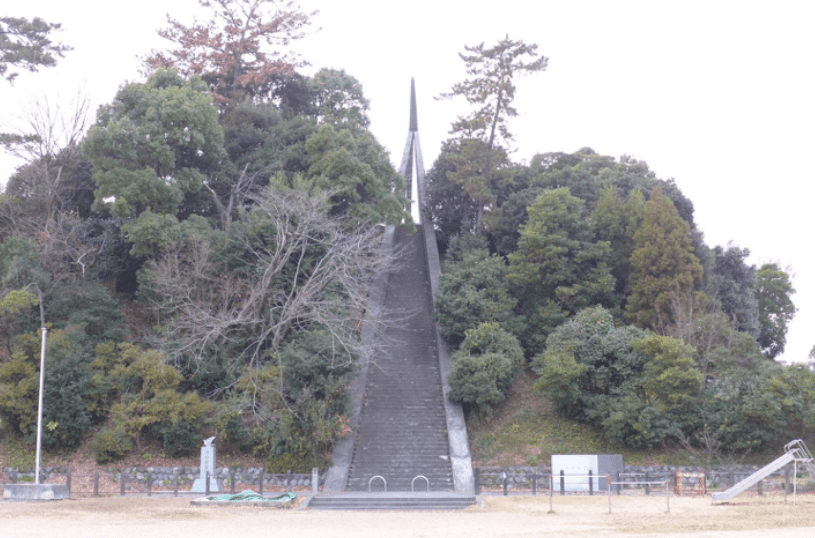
(207, 466)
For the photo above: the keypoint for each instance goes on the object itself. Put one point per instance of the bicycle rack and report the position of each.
(374, 478)
(418, 477)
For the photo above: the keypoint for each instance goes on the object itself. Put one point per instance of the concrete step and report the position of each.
(391, 501)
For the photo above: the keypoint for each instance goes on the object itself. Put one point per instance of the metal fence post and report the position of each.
(122, 483)
(504, 480)
(562, 482)
(232, 481)
(206, 484)
(96, 483)
(288, 481)
(68, 481)
(534, 483)
(149, 484)
(591, 483)
(647, 485)
(260, 482)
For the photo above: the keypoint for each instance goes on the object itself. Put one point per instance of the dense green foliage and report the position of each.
(201, 256)
(631, 322)
(201, 259)
(484, 367)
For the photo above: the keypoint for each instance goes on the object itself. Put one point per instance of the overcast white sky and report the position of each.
(718, 95)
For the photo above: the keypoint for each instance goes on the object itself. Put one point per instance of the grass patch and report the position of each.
(17, 452)
(526, 430)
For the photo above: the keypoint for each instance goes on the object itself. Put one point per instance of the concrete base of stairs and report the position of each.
(396, 500)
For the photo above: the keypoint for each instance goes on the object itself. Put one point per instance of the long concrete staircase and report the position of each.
(401, 454)
(402, 433)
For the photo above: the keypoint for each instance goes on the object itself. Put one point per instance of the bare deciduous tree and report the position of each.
(284, 266)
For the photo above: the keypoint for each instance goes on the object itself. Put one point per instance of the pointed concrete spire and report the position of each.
(412, 160)
(414, 122)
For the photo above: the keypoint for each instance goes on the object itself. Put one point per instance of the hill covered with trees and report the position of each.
(201, 255)
(596, 270)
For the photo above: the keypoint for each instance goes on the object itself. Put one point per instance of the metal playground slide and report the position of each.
(794, 451)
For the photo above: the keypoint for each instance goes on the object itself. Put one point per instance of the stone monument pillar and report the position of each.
(207, 466)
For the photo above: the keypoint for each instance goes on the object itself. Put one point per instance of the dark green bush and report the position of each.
(111, 445)
(484, 367)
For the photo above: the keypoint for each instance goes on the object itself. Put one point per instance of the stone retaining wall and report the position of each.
(165, 475)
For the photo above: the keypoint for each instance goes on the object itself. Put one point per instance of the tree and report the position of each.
(775, 308)
(285, 266)
(339, 99)
(633, 385)
(237, 52)
(474, 291)
(25, 44)
(484, 367)
(351, 165)
(156, 143)
(491, 88)
(481, 160)
(663, 265)
(733, 286)
(558, 265)
(616, 221)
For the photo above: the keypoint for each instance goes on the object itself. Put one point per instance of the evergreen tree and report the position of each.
(664, 267)
(559, 266)
(775, 308)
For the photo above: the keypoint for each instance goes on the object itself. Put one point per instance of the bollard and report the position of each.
(591, 483)
(551, 492)
(149, 484)
(504, 480)
(534, 483)
(618, 484)
(608, 483)
(232, 481)
(206, 484)
(96, 483)
(477, 480)
(68, 481)
(647, 485)
(562, 483)
(315, 480)
(175, 484)
(288, 481)
(260, 482)
(122, 483)
(760, 487)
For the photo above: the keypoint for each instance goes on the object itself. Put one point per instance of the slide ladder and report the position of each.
(794, 451)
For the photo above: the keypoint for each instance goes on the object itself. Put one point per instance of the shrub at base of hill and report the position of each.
(636, 387)
(484, 367)
(112, 444)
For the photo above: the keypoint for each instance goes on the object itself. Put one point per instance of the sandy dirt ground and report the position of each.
(750, 517)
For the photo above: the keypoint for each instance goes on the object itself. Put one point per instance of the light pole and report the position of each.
(39, 408)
